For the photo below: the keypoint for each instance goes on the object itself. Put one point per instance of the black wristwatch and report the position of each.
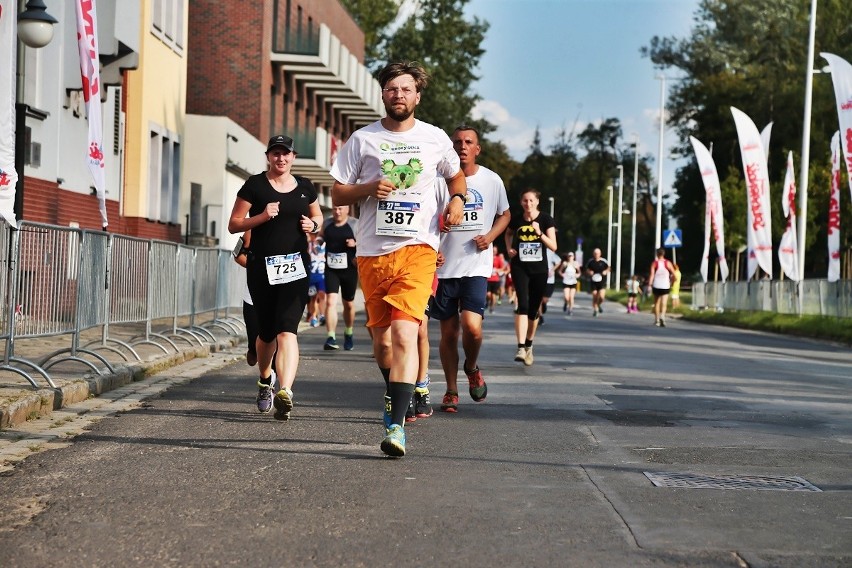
(461, 196)
(315, 230)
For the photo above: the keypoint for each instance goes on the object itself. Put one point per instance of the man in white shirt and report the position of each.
(389, 169)
(460, 300)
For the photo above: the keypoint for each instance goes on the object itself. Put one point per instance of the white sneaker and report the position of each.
(521, 355)
(528, 360)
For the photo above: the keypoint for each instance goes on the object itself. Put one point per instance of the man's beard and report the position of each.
(399, 115)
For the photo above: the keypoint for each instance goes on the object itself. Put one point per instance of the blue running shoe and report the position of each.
(330, 344)
(283, 403)
(394, 443)
(348, 342)
(386, 417)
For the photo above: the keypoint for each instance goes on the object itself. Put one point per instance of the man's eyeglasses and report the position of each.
(404, 91)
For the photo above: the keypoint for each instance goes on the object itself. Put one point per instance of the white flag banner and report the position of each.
(8, 49)
(759, 222)
(765, 135)
(713, 220)
(834, 212)
(841, 76)
(87, 43)
(788, 255)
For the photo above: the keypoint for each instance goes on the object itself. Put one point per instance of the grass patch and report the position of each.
(816, 327)
(646, 303)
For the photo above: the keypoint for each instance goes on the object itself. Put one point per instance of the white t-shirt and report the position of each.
(486, 198)
(412, 160)
(569, 275)
(553, 261)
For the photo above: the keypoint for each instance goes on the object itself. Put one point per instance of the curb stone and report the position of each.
(42, 402)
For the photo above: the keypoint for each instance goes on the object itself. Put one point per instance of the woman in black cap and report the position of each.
(280, 209)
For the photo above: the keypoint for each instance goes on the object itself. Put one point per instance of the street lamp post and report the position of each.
(35, 29)
(609, 234)
(659, 225)
(552, 200)
(633, 221)
(618, 232)
(806, 142)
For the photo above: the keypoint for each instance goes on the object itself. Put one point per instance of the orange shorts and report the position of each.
(401, 280)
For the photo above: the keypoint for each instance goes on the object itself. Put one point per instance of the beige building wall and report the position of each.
(157, 90)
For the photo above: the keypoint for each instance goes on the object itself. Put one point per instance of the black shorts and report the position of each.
(660, 292)
(597, 286)
(570, 286)
(494, 287)
(279, 308)
(344, 281)
(548, 290)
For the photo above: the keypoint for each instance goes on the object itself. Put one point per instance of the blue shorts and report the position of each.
(457, 294)
(316, 284)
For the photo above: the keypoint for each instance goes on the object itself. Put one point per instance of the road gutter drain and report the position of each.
(753, 482)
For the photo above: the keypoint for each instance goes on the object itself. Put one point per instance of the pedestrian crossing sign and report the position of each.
(672, 238)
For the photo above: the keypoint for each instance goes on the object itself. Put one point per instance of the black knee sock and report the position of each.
(400, 394)
(528, 344)
(386, 377)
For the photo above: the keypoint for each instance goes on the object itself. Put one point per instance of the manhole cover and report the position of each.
(755, 482)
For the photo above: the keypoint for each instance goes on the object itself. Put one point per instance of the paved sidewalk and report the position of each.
(75, 381)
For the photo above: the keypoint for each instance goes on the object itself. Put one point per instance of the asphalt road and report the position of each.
(548, 471)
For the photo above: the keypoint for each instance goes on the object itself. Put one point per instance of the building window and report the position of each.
(167, 18)
(163, 176)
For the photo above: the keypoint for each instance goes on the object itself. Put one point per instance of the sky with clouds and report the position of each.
(557, 64)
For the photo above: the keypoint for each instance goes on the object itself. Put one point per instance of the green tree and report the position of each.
(750, 55)
(449, 46)
(373, 17)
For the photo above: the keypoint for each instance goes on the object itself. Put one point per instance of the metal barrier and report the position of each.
(57, 281)
(808, 297)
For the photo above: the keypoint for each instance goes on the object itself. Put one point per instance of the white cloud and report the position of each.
(516, 134)
(492, 111)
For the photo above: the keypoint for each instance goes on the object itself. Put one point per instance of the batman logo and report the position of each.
(527, 233)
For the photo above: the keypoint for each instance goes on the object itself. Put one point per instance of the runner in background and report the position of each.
(460, 299)
(316, 286)
(553, 261)
(597, 269)
(569, 271)
(341, 275)
(527, 237)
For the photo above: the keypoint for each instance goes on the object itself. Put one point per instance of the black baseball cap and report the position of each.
(280, 140)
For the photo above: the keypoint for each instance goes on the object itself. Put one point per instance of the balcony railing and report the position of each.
(293, 33)
(305, 142)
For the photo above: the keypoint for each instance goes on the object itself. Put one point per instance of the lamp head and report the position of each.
(35, 25)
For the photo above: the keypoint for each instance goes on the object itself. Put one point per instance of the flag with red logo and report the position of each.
(87, 43)
(841, 76)
(759, 222)
(834, 212)
(8, 49)
(713, 221)
(788, 255)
